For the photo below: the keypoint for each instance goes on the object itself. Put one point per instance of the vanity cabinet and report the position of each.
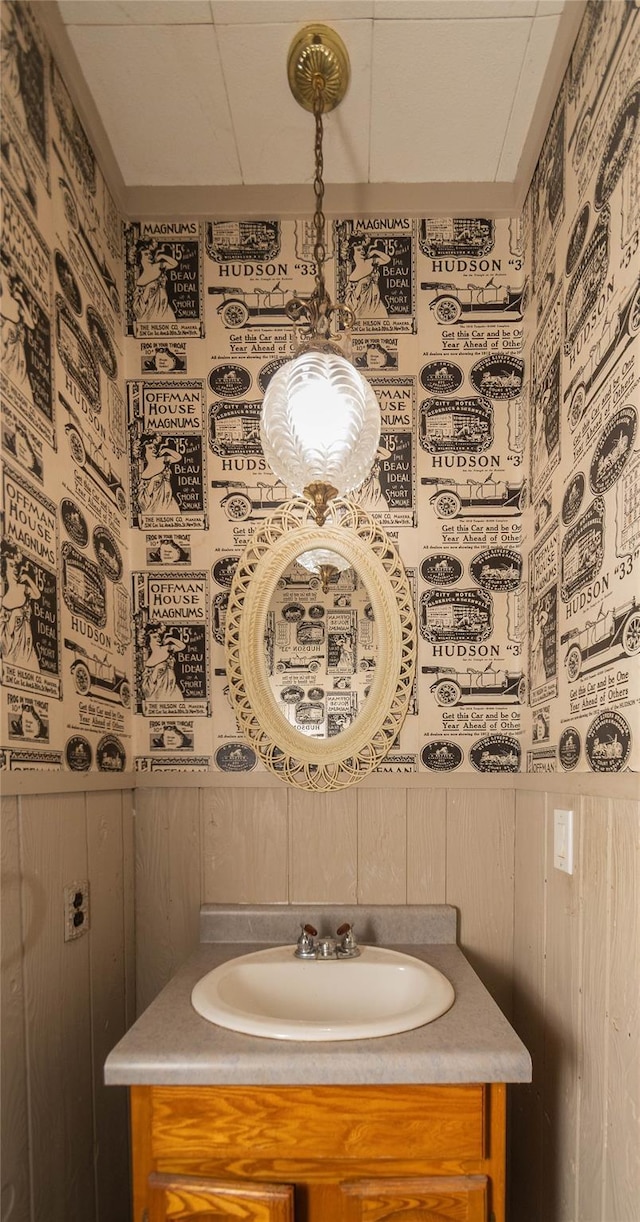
(400, 1153)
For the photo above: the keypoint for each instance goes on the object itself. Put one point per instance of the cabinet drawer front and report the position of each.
(181, 1198)
(297, 1122)
(433, 1199)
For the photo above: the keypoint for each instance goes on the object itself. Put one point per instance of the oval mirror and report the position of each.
(320, 643)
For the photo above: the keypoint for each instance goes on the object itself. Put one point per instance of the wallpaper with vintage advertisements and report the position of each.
(503, 354)
(582, 221)
(65, 607)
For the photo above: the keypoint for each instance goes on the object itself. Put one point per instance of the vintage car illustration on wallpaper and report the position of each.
(94, 676)
(489, 686)
(91, 455)
(368, 664)
(617, 334)
(452, 302)
(242, 499)
(453, 498)
(298, 578)
(614, 634)
(240, 306)
(284, 665)
(87, 234)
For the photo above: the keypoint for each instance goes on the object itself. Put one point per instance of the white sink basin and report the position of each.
(273, 994)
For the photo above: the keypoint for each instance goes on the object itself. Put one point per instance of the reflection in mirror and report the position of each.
(324, 563)
(321, 646)
(302, 661)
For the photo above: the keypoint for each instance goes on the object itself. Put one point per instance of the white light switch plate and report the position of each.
(563, 840)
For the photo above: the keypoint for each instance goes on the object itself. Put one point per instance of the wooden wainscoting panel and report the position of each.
(129, 903)
(167, 885)
(622, 1169)
(323, 847)
(14, 1200)
(528, 1002)
(562, 1002)
(56, 977)
(426, 846)
(244, 837)
(480, 862)
(107, 983)
(594, 879)
(382, 846)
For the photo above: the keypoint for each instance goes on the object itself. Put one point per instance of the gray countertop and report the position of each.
(172, 1045)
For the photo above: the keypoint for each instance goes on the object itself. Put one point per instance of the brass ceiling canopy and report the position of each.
(318, 59)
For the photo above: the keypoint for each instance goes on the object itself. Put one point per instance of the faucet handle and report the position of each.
(348, 948)
(305, 948)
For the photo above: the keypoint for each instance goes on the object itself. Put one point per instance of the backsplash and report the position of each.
(134, 374)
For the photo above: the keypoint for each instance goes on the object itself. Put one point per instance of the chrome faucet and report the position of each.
(306, 947)
(327, 947)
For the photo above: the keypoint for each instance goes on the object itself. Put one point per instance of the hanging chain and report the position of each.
(316, 316)
(319, 248)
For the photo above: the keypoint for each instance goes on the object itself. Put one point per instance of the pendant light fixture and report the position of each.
(320, 421)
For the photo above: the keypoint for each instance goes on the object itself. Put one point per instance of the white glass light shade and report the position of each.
(313, 561)
(320, 422)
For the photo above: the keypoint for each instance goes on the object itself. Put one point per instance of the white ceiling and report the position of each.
(195, 92)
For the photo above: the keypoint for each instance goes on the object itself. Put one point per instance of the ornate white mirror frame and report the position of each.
(310, 763)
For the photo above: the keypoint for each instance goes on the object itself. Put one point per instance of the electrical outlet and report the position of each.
(76, 909)
(563, 840)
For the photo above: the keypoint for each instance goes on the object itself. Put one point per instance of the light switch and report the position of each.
(563, 840)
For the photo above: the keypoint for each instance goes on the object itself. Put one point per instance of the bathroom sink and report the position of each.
(271, 993)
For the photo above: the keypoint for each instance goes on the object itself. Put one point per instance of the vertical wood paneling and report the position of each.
(622, 1170)
(14, 1195)
(480, 861)
(528, 1002)
(107, 965)
(128, 900)
(244, 836)
(323, 847)
(167, 885)
(339, 848)
(561, 1026)
(382, 846)
(56, 976)
(426, 846)
(594, 882)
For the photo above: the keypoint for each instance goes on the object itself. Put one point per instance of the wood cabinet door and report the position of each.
(181, 1198)
(461, 1198)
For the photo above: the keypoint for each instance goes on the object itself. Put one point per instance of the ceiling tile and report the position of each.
(449, 124)
(160, 94)
(135, 12)
(543, 32)
(241, 12)
(453, 10)
(453, 91)
(274, 134)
